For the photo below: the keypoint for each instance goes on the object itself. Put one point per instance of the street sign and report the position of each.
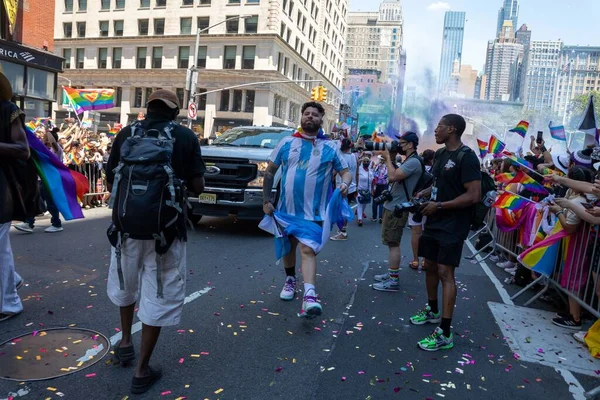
(192, 111)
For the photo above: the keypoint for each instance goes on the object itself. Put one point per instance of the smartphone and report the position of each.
(587, 206)
(540, 137)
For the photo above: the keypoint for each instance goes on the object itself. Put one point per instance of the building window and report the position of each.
(102, 55)
(82, 5)
(203, 22)
(117, 54)
(249, 105)
(232, 26)
(68, 5)
(286, 66)
(137, 97)
(80, 56)
(188, 2)
(81, 29)
(118, 96)
(237, 101)
(252, 1)
(103, 28)
(66, 53)
(119, 4)
(233, 1)
(68, 29)
(118, 28)
(248, 54)
(229, 57)
(105, 5)
(148, 93)
(179, 92)
(184, 57)
(140, 61)
(161, 3)
(144, 3)
(157, 57)
(159, 26)
(204, 2)
(185, 26)
(279, 61)
(201, 61)
(224, 105)
(251, 24)
(142, 27)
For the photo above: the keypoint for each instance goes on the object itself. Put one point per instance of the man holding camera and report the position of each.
(403, 182)
(455, 192)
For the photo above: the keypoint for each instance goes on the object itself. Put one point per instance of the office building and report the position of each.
(542, 73)
(452, 45)
(508, 12)
(137, 46)
(25, 55)
(502, 65)
(523, 37)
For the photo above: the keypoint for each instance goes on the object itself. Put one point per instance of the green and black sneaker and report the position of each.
(425, 316)
(437, 341)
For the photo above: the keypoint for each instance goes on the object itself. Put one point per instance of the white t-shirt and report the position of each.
(352, 165)
(365, 178)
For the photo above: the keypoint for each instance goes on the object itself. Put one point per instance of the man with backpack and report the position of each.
(403, 180)
(152, 164)
(455, 192)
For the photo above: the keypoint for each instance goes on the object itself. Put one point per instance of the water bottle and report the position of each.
(490, 198)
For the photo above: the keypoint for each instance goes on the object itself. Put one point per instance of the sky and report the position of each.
(547, 19)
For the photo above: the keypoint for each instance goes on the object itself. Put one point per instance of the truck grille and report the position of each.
(235, 173)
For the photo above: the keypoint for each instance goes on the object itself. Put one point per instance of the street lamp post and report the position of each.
(192, 70)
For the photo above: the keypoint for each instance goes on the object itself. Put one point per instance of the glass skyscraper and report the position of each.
(508, 12)
(452, 45)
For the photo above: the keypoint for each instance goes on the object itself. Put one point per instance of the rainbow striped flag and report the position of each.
(529, 183)
(510, 202)
(90, 99)
(518, 160)
(505, 178)
(482, 148)
(521, 129)
(542, 257)
(113, 130)
(495, 146)
(66, 187)
(557, 132)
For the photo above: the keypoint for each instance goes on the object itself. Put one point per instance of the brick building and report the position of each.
(25, 56)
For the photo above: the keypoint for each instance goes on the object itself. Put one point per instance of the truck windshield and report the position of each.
(265, 138)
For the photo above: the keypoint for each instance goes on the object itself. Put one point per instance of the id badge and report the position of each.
(434, 190)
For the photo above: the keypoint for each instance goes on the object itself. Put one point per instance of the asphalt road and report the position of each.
(237, 340)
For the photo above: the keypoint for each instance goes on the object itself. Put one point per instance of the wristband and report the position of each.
(559, 213)
(439, 205)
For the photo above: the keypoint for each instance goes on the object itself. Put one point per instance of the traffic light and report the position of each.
(315, 93)
(323, 94)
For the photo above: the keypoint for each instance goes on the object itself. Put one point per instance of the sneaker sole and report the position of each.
(23, 230)
(379, 280)
(446, 347)
(385, 290)
(575, 328)
(286, 298)
(312, 313)
(429, 321)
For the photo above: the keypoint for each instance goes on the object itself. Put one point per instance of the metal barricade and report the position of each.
(97, 186)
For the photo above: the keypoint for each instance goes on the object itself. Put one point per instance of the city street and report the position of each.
(237, 340)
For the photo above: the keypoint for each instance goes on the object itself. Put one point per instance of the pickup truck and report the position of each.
(235, 165)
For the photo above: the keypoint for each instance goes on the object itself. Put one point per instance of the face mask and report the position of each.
(401, 151)
(365, 164)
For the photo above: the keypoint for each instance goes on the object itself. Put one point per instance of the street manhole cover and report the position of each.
(51, 353)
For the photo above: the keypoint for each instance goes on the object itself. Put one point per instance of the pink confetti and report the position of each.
(397, 389)
(181, 361)
(241, 306)
(597, 372)
(516, 356)
(90, 375)
(180, 330)
(217, 314)
(541, 351)
(34, 333)
(361, 372)
(317, 328)
(343, 379)
(117, 330)
(241, 323)
(166, 392)
(427, 375)
(278, 369)
(204, 353)
(525, 380)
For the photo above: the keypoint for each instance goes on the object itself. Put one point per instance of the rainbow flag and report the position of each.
(557, 132)
(482, 148)
(113, 130)
(495, 146)
(66, 187)
(521, 129)
(518, 160)
(510, 201)
(529, 183)
(542, 257)
(90, 99)
(505, 178)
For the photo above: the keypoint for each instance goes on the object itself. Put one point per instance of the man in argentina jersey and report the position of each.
(308, 161)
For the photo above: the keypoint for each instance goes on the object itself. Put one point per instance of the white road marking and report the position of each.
(138, 325)
(575, 387)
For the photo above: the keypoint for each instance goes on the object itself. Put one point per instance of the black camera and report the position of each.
(383, 197)
(413, 206)
(374, 146)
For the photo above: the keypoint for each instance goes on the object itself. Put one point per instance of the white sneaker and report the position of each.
(340, 236)
(311, 307)
(387, 286)
(494, 258)
(24, 227)
(511, 271)
(53, 229)
(289, 289)
(505, 264)
(382, 277)
(579, 336)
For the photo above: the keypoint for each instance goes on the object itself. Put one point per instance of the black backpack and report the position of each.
(425, 180)
(147, 199)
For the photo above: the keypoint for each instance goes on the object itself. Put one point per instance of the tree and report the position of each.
(578, 107)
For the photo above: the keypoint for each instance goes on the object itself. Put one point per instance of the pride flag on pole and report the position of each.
(496, 145)
(66, 187)
(529, 183)
(521, 129)
(542, 257)
(90, 99)
(482, 148)
(557, 132)
(510, 201)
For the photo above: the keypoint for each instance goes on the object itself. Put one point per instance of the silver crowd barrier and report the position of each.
(97, 186)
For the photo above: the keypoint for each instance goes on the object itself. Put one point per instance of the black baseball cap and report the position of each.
(410, 137)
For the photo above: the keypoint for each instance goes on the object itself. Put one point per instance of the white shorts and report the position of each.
(411, 221)
(138, 262)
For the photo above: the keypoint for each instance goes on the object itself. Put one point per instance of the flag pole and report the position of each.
(525, 166)
(524, 198)
(73, 106)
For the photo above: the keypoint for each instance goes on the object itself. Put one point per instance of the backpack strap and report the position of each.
(116, 180)
(134, 127)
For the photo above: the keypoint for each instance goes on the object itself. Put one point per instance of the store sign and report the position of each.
(11, 10)
(25, 55)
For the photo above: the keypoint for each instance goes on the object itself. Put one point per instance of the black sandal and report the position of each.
(142, 385)
(124, 355)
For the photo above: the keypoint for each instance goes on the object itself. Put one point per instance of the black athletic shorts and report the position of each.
(437, 247)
